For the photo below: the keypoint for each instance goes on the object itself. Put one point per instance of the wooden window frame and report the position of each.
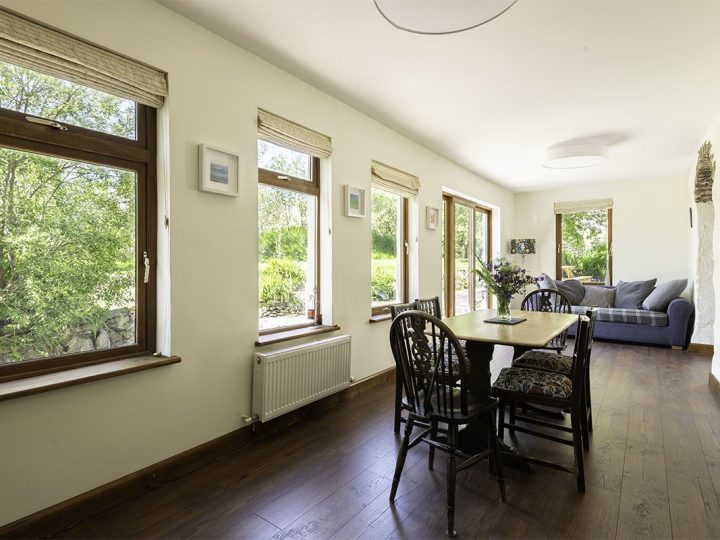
(309, 187)
(558, 248)
(451, 201)
(138, 155)
(385, 309)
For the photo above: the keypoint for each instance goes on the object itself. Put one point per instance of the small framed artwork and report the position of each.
(432, 217)
(354, 201)
(218, 171)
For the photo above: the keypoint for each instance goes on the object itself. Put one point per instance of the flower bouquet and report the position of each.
(503, 279)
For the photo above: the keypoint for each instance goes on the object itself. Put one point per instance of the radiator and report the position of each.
(286, 379)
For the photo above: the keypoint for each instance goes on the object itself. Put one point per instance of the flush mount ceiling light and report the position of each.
(575, 156)
(440, 17)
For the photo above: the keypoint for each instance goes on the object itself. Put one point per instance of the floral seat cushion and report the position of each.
(534, 382)
(546, 361)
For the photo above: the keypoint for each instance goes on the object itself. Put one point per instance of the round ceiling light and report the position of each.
(575, 156)
(439, 17)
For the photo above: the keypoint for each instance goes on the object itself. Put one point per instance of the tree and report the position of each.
(67, 228)
(585, 242)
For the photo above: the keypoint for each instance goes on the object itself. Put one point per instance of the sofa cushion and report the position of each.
(599, 296)
(629, 316)
(630, 294)
(573, 290)
(546, 282)
(663, 294)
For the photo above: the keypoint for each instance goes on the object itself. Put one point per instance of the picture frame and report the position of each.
(354, 201)
(432, 217)
(218, 171)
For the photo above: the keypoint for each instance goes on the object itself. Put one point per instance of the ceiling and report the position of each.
(643, 75)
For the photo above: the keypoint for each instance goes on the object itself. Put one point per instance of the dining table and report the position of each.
(481, 336)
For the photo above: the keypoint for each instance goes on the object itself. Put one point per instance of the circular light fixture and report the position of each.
(575, 156)
(440, 17)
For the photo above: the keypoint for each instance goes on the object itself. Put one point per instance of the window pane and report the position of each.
(463, 219)
(67, 256)
(585, 246)
(286, 228)
(387, 245)
(35, 94)
(481, 256)
(283, 160)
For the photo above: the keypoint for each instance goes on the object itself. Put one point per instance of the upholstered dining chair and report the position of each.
(435, 378)
(549, 388)
(549, 300)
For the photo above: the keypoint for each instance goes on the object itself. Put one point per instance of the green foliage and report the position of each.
(282, 282)
(288, 243)
(383, 284)
(67, 229)
(384, 224)
(585, 237)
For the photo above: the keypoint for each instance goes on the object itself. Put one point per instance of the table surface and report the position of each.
(536, 331)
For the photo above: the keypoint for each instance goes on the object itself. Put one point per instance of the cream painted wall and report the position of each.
(650, 226)
(62, 443)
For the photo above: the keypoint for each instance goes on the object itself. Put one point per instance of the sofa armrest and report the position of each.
(681, 315)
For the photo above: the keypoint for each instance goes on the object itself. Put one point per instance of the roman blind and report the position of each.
(35, 46)
(570, 207)
(395, 180)
(287, 133)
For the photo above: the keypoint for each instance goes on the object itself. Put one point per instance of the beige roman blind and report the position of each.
(395, 180)
(35, 46)
(570, 207)
(280, 130)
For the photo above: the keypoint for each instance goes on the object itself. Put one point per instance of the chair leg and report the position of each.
(433, 436)
(497, 455)
(451, 471)
(584, 423)
(402, 454)
(577, 445)
(511, 427)
(501, 419)
(398, 401)
(588, 399)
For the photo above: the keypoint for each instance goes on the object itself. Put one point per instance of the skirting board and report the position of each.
(701, 348)
(714, 385)
(65, 514)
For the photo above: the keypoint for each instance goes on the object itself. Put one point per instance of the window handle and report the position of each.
(45, 122)
(146, 261)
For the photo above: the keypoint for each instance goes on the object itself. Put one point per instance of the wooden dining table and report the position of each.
(481, 337)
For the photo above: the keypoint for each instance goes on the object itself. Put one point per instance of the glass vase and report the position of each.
(503, 307)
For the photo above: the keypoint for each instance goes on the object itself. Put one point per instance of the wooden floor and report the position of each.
(653, 471)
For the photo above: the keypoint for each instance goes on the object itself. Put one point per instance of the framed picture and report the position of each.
(432, 217)
(218, 171)
(354, 201)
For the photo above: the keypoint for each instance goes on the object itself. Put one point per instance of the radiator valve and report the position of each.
(247, 419)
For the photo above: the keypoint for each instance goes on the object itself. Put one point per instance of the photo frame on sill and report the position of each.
(354, 201)
(218, 171)
(432, 217)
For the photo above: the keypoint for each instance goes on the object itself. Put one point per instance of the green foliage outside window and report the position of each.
(585, 243)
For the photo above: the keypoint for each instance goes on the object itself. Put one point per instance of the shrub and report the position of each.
(282, 282)
(382, 284)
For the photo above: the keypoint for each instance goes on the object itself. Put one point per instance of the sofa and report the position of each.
(638, 312)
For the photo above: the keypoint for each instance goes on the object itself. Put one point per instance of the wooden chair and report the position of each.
(396, 310)
(436, 391)
(552, 389)
(563, 364)
(549, 300)
(430, 305)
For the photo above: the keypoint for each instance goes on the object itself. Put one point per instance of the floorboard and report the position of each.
(653, 471)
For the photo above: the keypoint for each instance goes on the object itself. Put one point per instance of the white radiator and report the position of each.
(286, 379)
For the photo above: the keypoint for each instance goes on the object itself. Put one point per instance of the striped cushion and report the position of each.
(545, 360)
(533, 381)
(629, 316)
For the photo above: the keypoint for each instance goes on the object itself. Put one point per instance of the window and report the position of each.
(466, 240)
(77, 222)
(389, 260)
(583, 233)
(288, 225)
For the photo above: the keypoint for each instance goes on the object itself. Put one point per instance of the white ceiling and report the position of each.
(642, 74)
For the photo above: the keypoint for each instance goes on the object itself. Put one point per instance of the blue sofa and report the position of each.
(673, 328)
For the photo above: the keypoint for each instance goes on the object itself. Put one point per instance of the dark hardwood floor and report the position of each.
(653, 471)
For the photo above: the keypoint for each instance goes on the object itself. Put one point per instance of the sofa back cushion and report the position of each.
(630, 294)
(546, 282)
(660, 298)
(599, 296)
(573, 290)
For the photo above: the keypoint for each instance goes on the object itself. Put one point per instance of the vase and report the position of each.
(503, 307)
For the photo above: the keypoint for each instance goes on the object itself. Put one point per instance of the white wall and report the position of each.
(62, 443)
(650, 226)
